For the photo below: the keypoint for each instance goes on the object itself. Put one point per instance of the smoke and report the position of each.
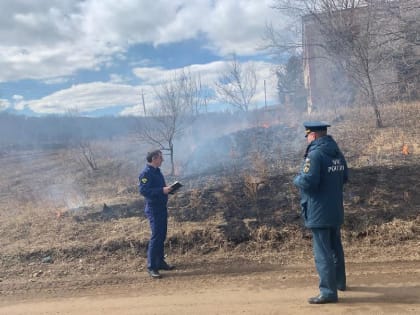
(233, 143)
(215, 144)
(43, 178)
(67, 194)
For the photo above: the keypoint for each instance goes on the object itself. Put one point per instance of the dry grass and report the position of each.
(38, 191)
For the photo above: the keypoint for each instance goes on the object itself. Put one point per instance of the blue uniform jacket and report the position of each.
(151, 183)
(321, 179)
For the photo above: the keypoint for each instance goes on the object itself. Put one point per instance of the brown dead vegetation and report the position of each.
(93, 222)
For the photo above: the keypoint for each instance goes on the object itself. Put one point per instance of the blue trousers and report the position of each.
(329, 260)
(158, 219)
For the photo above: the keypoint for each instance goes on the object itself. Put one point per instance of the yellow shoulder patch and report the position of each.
(307, 165)
(144, 180)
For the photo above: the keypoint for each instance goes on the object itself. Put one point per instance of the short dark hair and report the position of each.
(150, 155)
(321, 132)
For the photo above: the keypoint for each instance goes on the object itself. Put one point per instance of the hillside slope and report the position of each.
(60, 222)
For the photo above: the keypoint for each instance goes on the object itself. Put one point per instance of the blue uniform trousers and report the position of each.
(158, 219)
(329, 260)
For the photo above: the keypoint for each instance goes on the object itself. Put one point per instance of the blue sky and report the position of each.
(98, 56)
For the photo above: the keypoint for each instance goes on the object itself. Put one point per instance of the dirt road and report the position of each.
(374, 288)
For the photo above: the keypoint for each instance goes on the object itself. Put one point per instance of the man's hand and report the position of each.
(167, 189)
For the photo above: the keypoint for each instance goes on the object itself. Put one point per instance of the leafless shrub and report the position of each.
(237, 86)
(86, 156)
(179, 101)
(251, 184)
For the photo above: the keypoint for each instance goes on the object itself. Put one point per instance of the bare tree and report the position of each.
(179, 101)
(353, 39)
(355, 36)
(407, 55)
(83, 147)
(237, 86)
(290, 85)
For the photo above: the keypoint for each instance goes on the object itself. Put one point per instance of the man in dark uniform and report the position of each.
(321, 179)
(153, 187)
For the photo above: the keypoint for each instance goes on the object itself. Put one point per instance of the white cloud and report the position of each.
(100, 95)
(55, 38)
(18, 102)
(4, 104)
(17, 98)
(85, 98)
(238, 26)
(186, 23)
(209, 73)
(52, 40)
(116, 78)
(151, 75)
(57, 80)
(158, 75)
(267, 93)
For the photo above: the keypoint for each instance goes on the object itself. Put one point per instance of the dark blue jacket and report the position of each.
(323, 173)
(151, 183)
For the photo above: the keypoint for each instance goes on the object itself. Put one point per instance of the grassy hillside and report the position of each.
(241, 203)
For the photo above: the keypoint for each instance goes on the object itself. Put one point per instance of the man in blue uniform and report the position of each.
(153, 187)
(321, 179)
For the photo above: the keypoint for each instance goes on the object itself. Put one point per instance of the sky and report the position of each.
(97, 57)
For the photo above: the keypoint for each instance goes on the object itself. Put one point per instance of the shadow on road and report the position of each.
(391, 295)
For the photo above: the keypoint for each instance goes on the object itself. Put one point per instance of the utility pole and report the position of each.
(144, 103)
(265, 95)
